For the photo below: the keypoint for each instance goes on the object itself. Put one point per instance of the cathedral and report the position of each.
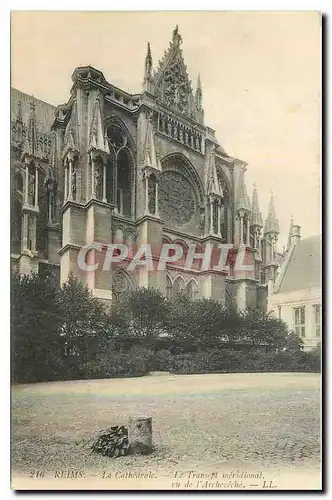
(112, 167)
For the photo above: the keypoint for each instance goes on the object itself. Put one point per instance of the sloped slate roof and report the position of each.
(44, 111)
(304, 267)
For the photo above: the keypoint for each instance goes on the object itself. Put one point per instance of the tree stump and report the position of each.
(140, 435)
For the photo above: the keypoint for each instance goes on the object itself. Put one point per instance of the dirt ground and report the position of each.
(231, 431)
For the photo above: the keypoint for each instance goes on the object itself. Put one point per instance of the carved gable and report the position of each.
(171, 81)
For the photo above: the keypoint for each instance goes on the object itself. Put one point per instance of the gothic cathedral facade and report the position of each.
(112, 167)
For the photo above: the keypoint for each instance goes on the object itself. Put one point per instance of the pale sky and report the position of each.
(260, 74)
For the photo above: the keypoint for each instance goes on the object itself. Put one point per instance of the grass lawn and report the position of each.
(200, 422)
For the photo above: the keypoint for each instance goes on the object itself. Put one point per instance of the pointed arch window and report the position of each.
(169, 289)
(124, 173)
(192, 290)
(225, 212)
(42, 219)
(120, 172)
(176, 287)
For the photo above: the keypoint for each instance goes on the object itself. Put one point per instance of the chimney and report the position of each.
(296, 234)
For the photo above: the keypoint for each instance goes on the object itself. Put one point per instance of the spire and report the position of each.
(256, 217)
(30, 143)
(290, 234)
(71, 134)
(199, 94)
(271, 223)
(213, 187)
(52, 162)
(98, 139)
(199, 86)
(50, 182)
(242, 202)
(151, 158)
(19, 124)
(148, 65)
(32, 130)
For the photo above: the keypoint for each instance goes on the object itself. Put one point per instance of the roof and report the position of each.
(303, 267)
(44, 111)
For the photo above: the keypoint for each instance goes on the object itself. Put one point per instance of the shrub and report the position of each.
(62, 333)
(231, 361)
(135, 362)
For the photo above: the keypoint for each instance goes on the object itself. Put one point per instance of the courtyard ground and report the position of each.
(227, 431)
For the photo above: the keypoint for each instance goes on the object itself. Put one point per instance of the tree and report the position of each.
(145, 311)
(262, 329)
(202, 323)
(85, 326)
(178, 320)
(37, 347)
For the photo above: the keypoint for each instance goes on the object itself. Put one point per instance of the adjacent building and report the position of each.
(296, 297)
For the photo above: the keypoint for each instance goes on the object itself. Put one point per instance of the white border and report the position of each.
(233, 5)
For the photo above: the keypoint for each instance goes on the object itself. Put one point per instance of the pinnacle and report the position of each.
(177, 38)
(199, 85)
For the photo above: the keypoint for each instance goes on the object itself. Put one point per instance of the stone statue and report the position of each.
(97, 176)
(177, 38)
(202, 220)
(31, 189)
(175, 131)
(51, 186)
(73, 183)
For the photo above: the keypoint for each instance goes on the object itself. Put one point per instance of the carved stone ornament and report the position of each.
(176, 198)
(31, 189)
(120, 283)
(176, 88)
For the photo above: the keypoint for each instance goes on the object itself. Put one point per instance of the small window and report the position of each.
(317, 318)
(299, 321)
